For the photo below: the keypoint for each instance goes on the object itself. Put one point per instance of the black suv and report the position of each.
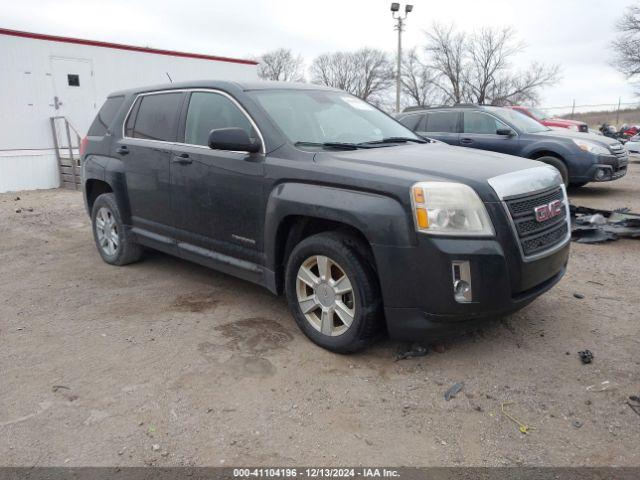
(581, 158)
(312, 192)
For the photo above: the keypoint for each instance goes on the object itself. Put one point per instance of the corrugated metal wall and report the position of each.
(33, 73)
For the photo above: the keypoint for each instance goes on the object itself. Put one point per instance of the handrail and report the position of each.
(69, 122)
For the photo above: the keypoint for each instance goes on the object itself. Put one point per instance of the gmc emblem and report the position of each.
(548, 211)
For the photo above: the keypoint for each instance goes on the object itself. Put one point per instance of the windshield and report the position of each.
(320, 117)
(519, 120)
(538, 114)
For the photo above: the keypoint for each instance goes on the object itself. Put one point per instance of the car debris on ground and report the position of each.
(414, 350)
(586, 356)
(453, 391)
(634, 403)
(591, 225)
(522, 427)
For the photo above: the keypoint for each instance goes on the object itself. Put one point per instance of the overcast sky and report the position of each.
(575, 34)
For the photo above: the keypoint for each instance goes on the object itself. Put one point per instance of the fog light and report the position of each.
(461, 271)
(600, 174)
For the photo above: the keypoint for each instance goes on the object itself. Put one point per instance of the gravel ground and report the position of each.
(168, 363)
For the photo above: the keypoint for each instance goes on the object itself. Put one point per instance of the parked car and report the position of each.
(314, 193)
(633, 145)
(551, 121)
(579, 157)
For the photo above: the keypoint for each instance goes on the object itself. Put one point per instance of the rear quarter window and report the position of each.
(105, 116)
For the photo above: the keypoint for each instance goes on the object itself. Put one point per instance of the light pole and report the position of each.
(395, 8)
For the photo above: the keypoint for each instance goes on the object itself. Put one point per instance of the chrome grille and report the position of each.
(536, 237)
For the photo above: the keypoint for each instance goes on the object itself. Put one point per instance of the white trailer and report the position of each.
(44, 77)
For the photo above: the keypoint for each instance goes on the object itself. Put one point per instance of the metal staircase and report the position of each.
(66, 141)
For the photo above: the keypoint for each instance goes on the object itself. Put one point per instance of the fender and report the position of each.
(548, 146)
(381, 219)
(111, 171)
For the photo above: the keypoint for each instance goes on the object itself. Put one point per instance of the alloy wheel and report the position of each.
(325, 295)
(107, 231)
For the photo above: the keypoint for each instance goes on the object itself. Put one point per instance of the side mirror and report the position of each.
(507, 132)
(234, 139)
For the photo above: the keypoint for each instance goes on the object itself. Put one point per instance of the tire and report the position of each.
(577, 184)
(114, 241)
(358, 315)
(559, 165)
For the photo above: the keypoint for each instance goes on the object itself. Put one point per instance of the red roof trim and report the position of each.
(119, 46)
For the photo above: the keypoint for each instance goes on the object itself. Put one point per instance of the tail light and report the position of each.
(83, 146)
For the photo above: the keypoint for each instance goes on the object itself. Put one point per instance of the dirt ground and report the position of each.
(168, 363)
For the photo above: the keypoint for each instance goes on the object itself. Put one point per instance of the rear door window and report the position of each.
(442, 122)
(105, 116)
(157, 117)
(479, 122)
(210, 111)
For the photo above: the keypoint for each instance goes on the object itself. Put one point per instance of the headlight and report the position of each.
(591, 147)
(443, 208)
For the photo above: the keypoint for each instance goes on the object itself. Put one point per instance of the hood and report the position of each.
(579, 135)
(563, 121)
(434, 161)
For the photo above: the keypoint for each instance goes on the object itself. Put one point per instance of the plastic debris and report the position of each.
(590, 225)
(522, 427)
(453, 391)
(601, 387)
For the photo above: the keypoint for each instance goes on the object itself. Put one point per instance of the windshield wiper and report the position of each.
(344, 146)
(394, 140)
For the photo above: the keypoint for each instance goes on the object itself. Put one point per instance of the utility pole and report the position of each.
(395, 8)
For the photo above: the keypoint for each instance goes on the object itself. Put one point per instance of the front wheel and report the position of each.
(333, 292)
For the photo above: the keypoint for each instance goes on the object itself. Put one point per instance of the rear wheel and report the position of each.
(559, 165)
(115, 243)
(333, 292)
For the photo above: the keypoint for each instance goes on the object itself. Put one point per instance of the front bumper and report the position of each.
(606, 168)
(417, 282)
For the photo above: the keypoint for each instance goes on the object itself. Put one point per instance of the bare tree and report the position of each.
(281, 65)
(523, 87)
(488, 54)
(627, 45)
(476, 67)
(418, 80)
(365, 73)
(446, 49)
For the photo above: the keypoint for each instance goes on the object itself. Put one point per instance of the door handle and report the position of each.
(182, 159)
(123, 150)
(466, 141)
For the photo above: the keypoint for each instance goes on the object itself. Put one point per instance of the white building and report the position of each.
(43, 76)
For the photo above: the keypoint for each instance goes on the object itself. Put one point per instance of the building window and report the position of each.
(73, 80)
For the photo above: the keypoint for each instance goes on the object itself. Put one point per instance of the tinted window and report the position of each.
(105, 116)
(442, 122)
(411, 121)
(210, 111)
(157, 117)
(478, 122)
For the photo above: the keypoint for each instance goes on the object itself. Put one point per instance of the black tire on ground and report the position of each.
(347, 252)
(577, 184)
(127, 250)
(559, 165)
